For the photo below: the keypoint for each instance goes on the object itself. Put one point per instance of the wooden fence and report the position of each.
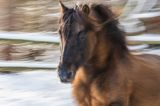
(54, 38)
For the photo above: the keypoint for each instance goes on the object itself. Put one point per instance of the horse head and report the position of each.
(74, 30)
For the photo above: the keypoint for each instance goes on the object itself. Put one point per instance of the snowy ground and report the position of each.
(38, 88)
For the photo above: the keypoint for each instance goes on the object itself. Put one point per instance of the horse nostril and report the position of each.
(69, 74)
(65, 76)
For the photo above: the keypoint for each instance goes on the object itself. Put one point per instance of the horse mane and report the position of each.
(110, 26)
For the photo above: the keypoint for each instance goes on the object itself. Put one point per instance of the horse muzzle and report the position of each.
(65, 76)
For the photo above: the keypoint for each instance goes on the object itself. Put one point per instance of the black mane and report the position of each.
(110, 26)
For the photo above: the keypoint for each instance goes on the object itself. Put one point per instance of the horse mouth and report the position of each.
(66, 81)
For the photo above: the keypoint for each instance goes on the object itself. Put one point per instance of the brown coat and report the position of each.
(134, 82)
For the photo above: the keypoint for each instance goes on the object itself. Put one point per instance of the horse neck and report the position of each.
(109, 51)
(105, 60)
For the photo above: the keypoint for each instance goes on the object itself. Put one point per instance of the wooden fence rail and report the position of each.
(28, 64)
(54, 38)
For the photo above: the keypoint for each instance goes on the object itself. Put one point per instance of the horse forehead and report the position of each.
(72, 23)
(79, 27)
(74, 26)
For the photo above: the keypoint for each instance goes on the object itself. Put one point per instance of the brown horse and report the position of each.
(95, 59)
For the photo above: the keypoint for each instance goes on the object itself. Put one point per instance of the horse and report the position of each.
(96, 61)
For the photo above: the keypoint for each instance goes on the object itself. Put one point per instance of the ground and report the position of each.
(34, 88)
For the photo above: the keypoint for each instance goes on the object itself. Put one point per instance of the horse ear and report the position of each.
(76, 7)
(63, 7)
(86, 9)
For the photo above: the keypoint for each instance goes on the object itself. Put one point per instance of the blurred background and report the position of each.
(29, 50)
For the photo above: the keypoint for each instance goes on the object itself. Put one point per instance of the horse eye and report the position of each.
(81, 35)
(59, 31)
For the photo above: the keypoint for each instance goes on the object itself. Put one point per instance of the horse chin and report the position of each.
(66, 81)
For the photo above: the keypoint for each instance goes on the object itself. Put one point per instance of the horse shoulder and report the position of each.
(112, 88)
(145, 75)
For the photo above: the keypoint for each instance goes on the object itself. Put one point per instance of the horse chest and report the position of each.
(88, 95)
(104, 97)
(97, 100)
(91, 96)
(106, 92)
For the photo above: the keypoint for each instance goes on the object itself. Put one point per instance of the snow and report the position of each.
(54, 38)
(138, 47)
(40, 37)
(154, 51)
(145, 38)
(56, 15)
(145, 15)
(37, 88)
(28, 64)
